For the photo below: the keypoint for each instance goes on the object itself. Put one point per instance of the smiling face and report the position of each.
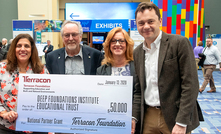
(148, 25)
(23, 51)
(71, 37)
(118, 45)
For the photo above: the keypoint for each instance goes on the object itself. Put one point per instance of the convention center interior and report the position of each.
(197, 20)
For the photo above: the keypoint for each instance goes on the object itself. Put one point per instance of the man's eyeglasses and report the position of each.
(72, 34)
(121, 41)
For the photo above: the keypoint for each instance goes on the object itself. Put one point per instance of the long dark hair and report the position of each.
(12, 63)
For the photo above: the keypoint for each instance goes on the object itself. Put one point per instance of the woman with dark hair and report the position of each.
(118, 58)
(22, 57)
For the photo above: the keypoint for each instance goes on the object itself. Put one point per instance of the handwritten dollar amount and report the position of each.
(117, 107)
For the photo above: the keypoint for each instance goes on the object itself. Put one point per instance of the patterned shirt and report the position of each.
(9, 90)
(121, 71)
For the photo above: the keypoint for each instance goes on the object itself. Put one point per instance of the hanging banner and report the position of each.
(22, 26)
(38, 37)
(38, 43)
(47, 25)
(134, 34)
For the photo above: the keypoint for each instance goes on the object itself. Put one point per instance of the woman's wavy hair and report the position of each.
(12, 63)
(108, 57)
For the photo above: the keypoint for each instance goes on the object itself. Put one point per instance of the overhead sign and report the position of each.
(120, 10)
(22, 26)
(103, 25)
(133, 25)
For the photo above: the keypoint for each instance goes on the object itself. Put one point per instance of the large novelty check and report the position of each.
(74, 104)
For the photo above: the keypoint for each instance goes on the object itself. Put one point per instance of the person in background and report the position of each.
(84, 43)
(4, 43)
(118, 58)
(198, 49)
(22, 58)
(0, 45)
(166, 89)
(3, 53)
(10, 42)
(212, 59)
(48, 48)
(73, 58)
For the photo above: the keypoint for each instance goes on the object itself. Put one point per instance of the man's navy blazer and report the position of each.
(55, 61)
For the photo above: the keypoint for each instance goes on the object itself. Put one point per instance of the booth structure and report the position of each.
(184, 17)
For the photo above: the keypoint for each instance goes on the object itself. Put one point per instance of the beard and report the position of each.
(209, 45)
(72, 45)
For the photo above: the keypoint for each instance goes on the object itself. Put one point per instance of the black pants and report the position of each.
(4, 130)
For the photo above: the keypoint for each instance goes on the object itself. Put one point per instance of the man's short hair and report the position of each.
(209, 38)
(147, 5)
(72, 22)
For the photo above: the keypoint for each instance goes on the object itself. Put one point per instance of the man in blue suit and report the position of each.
(73, 58)
(48, 48)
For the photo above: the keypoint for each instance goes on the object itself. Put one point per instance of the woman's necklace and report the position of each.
(22, 70)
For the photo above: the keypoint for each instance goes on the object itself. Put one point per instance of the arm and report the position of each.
(136, 106)
(100, 59)
(5, 54)
(189, 81)
(136, 109)
(98, 71)
(50, 48)
(48, 63)
(133, 126)
(218, 58)
(2, 109)
(10, 116)
(44, 49)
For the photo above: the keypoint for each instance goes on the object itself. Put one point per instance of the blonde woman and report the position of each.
(118, 58)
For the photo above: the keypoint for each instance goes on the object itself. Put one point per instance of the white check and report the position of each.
(74, 104)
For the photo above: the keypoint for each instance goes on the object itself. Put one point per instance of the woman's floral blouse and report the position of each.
(9, 90)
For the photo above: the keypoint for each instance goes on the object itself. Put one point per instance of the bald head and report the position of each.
(4, 41)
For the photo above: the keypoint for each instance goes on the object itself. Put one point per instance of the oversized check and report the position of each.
(74, 104)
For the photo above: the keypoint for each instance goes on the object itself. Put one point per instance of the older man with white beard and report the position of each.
(73, 59)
